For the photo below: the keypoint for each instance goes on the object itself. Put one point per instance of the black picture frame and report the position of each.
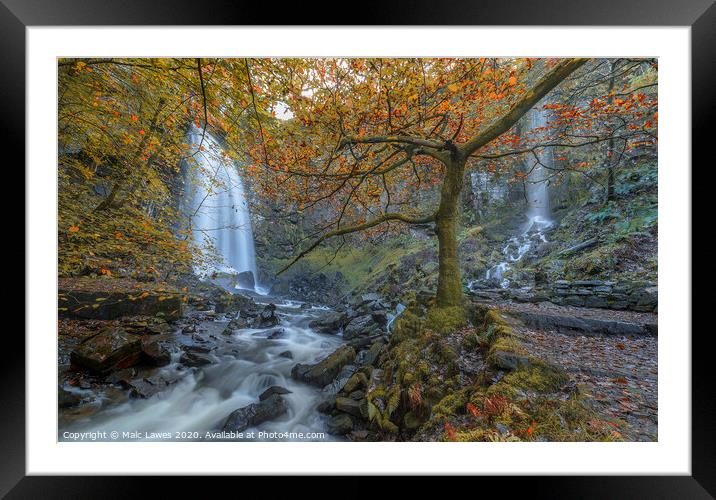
(700, 15)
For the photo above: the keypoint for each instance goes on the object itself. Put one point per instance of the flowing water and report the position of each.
(539, 217)
(216, 202)
(199, 400)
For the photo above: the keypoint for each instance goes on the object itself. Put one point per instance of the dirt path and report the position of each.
(618, 372)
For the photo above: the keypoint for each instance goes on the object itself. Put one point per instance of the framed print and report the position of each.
(383, 248)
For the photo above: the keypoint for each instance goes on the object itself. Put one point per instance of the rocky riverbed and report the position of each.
(230, 366)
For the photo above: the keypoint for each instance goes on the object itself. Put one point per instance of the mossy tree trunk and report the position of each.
(449, 281)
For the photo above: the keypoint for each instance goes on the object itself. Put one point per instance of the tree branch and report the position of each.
(359, 227)
(531, 97)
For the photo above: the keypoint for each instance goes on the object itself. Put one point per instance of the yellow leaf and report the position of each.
(453, 87)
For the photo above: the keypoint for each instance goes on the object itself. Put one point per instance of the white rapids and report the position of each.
(246, 363)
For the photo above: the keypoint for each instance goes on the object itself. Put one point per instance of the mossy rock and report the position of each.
(445, 319)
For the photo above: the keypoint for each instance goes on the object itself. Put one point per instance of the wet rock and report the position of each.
(254, 414)
(331, 322)
(362, 326)
(286, 354)
(357, 395)
(267, 318)
(192, 359)
(149, 386)
(112, 305)
(235, 324)
(111, 349)
(327, 405)
(368, 298)
(343, 376)
(274, 389)
(348, 405)
(371, 356)
(380, 317)
(356, 381)
(155, 353)
(246, 280)
(276, 334)
(67, 399)
(339, 424)
(146, 326)
(323, 372)
(225, 302)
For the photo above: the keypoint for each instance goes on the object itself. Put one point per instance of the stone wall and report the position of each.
(635, 296)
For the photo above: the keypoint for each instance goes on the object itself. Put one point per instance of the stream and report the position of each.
(198, 400)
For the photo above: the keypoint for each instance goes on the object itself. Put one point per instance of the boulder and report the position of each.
(235, 324)
(362, 326)
(225, 302)
(368, 298)
(339, 424)
(148, 386)
(155, 353)
(337, 384)
(274, 389)
(267, 318)
(380, 317)
(331, 322)
(371, 355)
(112, 305)
(246, 280)
(358, 380)
(189, 358)
(109, 350)
(254, 414)
(323, 372)
(348, 405)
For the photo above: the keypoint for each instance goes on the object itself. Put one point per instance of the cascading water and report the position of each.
(217, 205)
(538, 214)
(197, 401)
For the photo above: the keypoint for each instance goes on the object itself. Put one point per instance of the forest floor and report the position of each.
(617, 372)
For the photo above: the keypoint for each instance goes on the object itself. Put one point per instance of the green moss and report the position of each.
(453, 404)
(446, 319)
(538, 377)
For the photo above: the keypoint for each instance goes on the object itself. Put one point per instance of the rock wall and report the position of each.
(636, 296)
(628, 295)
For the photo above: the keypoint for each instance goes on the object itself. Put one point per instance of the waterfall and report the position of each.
(217, 205)
(538, 214)
(537, 184)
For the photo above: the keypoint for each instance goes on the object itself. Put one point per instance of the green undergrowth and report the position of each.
(421, 394)
(362, 266)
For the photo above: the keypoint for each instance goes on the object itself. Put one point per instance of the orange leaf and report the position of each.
(135, 118)
(74, 229)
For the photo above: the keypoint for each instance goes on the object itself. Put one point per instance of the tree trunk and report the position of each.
(449, 282)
